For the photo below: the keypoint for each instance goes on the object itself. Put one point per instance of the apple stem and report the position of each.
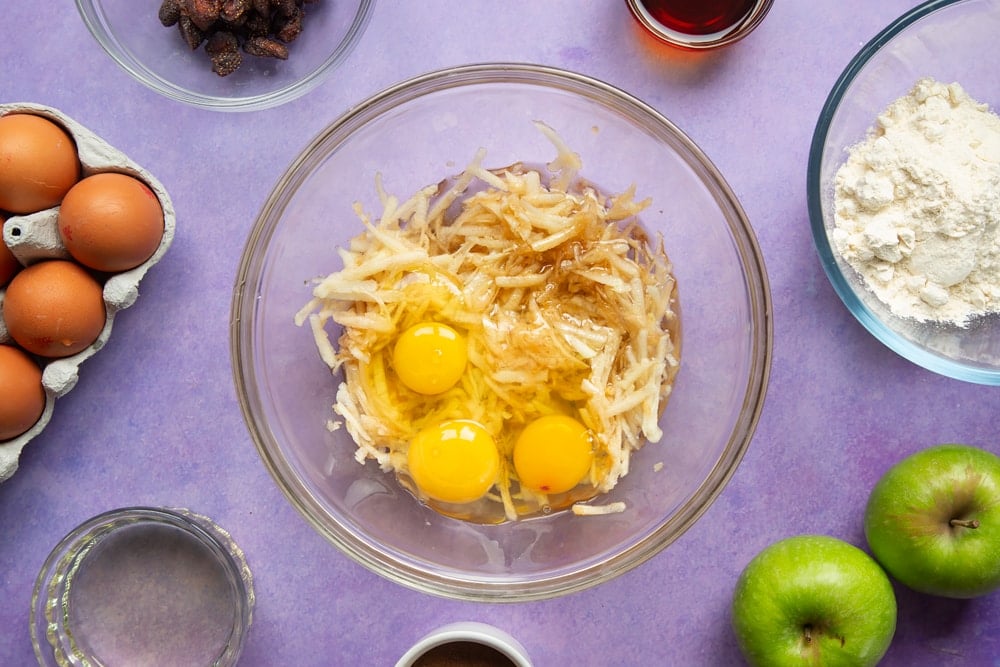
(964, 523)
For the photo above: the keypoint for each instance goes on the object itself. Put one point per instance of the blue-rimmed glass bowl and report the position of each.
(948, 40)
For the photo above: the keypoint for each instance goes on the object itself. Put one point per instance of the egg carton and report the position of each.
(35, 237)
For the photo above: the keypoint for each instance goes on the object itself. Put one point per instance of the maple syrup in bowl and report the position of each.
(699, 24)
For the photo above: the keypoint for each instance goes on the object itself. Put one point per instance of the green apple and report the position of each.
(933, 521)
(813, 600)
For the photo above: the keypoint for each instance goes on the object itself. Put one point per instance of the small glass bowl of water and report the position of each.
(143, 586)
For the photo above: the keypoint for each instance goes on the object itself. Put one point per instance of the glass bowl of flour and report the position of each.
(904, 188)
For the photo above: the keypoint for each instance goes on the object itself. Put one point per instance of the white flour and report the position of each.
(918, 206)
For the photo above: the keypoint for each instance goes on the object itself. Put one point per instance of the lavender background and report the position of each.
(154, 419)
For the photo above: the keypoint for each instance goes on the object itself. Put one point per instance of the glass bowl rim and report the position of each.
(469, 587)
(92, 15)
(864, 315)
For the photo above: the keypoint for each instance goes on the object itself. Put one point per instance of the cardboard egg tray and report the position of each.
(35, 237)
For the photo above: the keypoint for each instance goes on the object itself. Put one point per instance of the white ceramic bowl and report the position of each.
(468, 632)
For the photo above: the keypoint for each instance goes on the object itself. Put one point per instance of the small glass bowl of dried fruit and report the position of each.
(228, 55)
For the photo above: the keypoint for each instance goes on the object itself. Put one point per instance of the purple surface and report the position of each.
(154, 419)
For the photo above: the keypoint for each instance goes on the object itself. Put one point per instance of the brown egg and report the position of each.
(38, 163)
(8, 263)
(22, 398)
(54, 308)
(111, 222)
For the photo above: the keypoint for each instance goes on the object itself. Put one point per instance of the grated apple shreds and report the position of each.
(565, 304)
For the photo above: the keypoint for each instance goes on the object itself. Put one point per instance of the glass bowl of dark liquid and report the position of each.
(699, 24)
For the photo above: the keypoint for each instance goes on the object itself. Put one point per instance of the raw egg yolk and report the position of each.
(430, 357)
(454, 462)
(553, 454)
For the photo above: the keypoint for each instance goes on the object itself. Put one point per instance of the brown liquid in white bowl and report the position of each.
(463, 654)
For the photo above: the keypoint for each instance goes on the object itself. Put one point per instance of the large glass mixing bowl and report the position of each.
(418, 133)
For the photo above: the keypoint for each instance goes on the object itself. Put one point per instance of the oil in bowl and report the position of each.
(143, 586)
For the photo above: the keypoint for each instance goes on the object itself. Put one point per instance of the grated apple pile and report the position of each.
(566, 305)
